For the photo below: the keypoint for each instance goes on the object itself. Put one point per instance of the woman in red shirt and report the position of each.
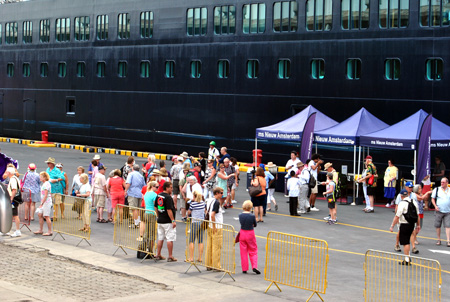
(116, 188)
(259, 200)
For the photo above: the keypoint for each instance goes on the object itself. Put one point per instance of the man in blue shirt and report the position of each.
(268, 177)
(133, 188)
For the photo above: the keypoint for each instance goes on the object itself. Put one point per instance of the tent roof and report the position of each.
(292, 128)
(402, 136)
(349, 131)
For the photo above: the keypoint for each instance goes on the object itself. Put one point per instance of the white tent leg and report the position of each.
(255, 154)
(415, 165)
(354, 175)
(359, 167)
(316, 148)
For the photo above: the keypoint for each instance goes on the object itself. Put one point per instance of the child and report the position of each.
(294, 190)
(329, 195)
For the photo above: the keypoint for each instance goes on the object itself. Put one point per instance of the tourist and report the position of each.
(31, 184)
(45, 209)
(210, 180)
(92, 166)
(184, 174)
(329, 169)
(314, 169)
(197, 212)
(330, 197)
(247, 239)
(133, 186)
(85, 192)
(362, 180)
(441, 202)
(268, 176)
(65, 187)
(224, 155)
(56, 179)
(371, 181)
(166, 222)
(175, 172)
(421, 198)
(108, 203)
(116, 188)
(273, 170)
(291, 165)
(100, 193)
(235, 184)
(439, 170)
(215, 230)
(202, 161)
(189, 188)
(303, 181)
(232, 180)
(149, 166)
(258, 201)
(213, 153)
(294, 191)
(390, 177)
(148, 223)
(76, 185)
(409, 190)
(14, 194)
(222, 178)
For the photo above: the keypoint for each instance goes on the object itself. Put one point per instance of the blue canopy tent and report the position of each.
(292, 128)
(401, 136)
(349, 131)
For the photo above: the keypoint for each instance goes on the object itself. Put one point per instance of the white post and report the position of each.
(359, 165)
(256, 148)
(415, 166)
(354, 174)
(316, 148)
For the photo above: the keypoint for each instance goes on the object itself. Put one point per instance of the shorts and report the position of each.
(406, 230)
(259, 201)
(315, 190)
(426, 188)
(36, 197)
(134, 201)
(99, 201)
(196, 231)
(57, 199)
(234, 187)
(176, 187)
(331, 204)
(166, 232)
(117, 199)
(371, 191)
(46, 209)
(441, 217)
(15, 209)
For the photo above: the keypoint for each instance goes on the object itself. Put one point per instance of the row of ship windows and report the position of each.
(434, 69)
(318, 13)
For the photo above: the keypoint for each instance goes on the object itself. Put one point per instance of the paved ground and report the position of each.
(348, 241)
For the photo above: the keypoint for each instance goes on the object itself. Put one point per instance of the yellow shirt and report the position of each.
(391, 172)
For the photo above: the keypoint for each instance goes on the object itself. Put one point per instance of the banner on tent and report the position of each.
(277, 135)
(424, 146)
(307, 138)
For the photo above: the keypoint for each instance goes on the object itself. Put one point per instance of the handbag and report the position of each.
(206, 219)
(371, 180)
(253, 191)
(18, 198)
(236, 240)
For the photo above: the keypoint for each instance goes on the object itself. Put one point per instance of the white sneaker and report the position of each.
(388, 205)
(353, 204)
(315, 209)
(17, 233)
(233, 201)
(302, 212)
(327, 218)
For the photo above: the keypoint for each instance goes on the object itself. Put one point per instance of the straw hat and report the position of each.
(96, 156)
(327, 165)
(300, 164)
(50, 160)
(270, 165)
(32, 166)
(156, 172)
(163, 172)
(184, 154)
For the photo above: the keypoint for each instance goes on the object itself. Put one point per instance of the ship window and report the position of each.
(146, 24)
(81, 69)
(196, 21)
(26, 70)
(196, 69)
(285, 16)
(393, 11)
(102, 27)
(319, 15)
(10, 70)
(123, 69)
(63, 30)
(70, 106)
(284, 69)
(82, 28)
(11, 33)
(223, 69)
(434, 13)
(225, 20)
(254, 18)
(123, 28)
(62, 69)
(145, 69)
(44, 31)
(392, 69)
(252, 69)
(101, 66)
(44, 70)
(434, 69)
(318, 69)
(355, 14)
(353, 69)
(27, 32)
(170, 69)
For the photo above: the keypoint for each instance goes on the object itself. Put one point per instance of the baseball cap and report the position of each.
(409, 184)
(213, 143)
(368, 157)
(404, 192)
(262, 166)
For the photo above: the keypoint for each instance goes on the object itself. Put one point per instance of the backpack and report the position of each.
(312, 180)
(411, 215)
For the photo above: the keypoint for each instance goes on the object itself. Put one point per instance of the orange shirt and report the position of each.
(262, 182)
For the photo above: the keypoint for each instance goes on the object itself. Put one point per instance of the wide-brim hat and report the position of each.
(50, 160)
(270, 164)
(184, 154)
(156, 172)
(163, 172)
(96, 156)
(300, 164)
(327, 165)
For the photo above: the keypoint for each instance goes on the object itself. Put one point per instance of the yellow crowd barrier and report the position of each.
(210, 244)
(127, 235)
(296, 261)
(77, 214)
(386, 279)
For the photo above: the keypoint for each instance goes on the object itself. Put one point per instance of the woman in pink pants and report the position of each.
(247, 238)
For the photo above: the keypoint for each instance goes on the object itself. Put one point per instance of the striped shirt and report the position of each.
(197, 210)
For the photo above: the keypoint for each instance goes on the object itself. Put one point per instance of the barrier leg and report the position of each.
(57, 233)
(313, 295)
(226, 273)
(121, 249)
(275, 285)
(24, 225)
(193, 264)
(82, 241)
(148, 254)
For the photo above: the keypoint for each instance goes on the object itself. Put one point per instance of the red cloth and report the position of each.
(249, 248)
(116, 184)
(160, 189)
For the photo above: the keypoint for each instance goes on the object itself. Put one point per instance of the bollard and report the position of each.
(44, 137)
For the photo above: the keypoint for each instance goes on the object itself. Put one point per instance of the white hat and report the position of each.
(96, 156)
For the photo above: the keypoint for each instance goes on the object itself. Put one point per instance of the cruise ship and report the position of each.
(170, 76)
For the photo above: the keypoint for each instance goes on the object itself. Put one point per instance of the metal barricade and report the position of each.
(296, 261)
(387, 279)
(24, 209)
(127, 235)
(210, 244)
(77, 214)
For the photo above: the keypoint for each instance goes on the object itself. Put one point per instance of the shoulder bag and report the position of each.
(254, 191)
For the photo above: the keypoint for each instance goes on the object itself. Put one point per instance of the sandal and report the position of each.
(160, 258)
(438, 242)
(47, 234)
(110, 220)
(38, 233)
(98, 219)
(172, 259)
(448, 244)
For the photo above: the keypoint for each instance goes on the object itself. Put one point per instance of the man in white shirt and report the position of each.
(303, 180)
(409, 189)
(100, 193)
(213, 152)
(406, 228)
(314, 168)
(291, 165)
(441, 201)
